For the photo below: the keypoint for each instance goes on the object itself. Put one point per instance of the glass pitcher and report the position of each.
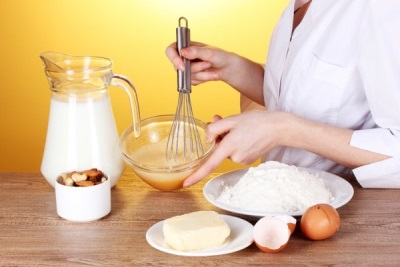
(81, 132)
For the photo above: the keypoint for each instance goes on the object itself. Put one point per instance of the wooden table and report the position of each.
(31, 232)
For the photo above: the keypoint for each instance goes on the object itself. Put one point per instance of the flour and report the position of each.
(276, 187)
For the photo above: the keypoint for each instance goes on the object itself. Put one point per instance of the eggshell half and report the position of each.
(271, 234)
(291, 221)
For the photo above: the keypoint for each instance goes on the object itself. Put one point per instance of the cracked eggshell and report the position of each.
(291, 222)
(271, 234)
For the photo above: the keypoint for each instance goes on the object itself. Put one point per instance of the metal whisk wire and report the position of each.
(184, 141)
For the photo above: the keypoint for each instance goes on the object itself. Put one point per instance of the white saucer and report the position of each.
(241, 237)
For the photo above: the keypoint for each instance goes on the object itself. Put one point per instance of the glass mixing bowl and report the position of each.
(146, 155)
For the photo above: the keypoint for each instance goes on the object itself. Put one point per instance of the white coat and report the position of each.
(341, 67)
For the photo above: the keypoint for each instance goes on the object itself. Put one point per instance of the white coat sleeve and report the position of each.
(379, 65)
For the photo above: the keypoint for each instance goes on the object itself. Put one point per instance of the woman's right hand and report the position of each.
(207, 63)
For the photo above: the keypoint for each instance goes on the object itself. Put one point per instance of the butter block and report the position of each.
(195, 231)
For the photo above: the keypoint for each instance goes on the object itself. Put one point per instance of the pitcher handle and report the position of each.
(124, 83)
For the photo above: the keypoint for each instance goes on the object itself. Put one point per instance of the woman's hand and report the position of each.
(209, 63)
(246, 137)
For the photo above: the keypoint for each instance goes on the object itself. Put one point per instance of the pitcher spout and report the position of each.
(53, 61)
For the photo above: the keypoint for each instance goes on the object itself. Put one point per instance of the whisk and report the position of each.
(184, 142)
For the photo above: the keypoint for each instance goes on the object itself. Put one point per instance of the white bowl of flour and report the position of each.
(276, 188)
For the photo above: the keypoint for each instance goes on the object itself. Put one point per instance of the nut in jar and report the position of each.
(82, 179)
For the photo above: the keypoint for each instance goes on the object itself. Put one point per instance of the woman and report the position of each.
(330, 87)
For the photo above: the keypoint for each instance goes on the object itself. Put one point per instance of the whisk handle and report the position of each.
(182, 41)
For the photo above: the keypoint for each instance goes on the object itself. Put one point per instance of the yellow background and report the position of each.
(134, 34)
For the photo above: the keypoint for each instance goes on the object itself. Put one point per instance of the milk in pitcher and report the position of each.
(81, 135)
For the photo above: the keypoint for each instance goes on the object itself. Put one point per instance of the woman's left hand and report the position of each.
(245, 138)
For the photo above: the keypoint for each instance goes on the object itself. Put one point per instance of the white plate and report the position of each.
(241, 237)
(340, 188)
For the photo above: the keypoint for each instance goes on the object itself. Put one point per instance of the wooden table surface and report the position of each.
(31, 232)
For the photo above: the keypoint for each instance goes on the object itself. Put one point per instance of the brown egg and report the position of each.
(272, 233)
(320, 222)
